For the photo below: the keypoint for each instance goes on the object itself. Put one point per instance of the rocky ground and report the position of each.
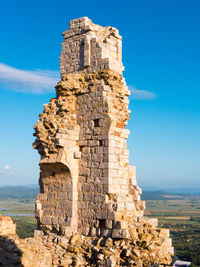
(78, 250)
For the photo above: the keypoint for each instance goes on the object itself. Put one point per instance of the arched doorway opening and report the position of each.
(55, 196)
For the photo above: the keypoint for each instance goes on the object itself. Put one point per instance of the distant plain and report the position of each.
(178, 212)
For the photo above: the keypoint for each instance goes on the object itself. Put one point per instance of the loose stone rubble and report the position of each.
(78, 250)
(89, 211)
(6, 225)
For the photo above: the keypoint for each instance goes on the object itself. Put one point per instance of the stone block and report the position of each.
(7, 227)
(41, 196)
(38, 233)
(121, 224)
(100, 214)
(120, 233)
(62, 195)
(164, 233)
(38, 205)
(38, 213)
(109, 224)
(46, 220)
(88, 196)
(153, 222)
(77, 155)
(106, 232)
(130, 206)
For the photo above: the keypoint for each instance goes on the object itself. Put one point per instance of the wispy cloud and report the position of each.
(37, 81)
(142, 94)
(7, 170)
(43, 81)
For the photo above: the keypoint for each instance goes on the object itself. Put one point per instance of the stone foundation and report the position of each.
(146, 247)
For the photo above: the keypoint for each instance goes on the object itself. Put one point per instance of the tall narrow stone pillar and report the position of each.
(86, 182)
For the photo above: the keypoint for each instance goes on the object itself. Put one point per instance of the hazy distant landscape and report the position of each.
(180, 212)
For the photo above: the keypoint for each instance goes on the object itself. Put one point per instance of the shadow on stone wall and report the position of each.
(10, 254)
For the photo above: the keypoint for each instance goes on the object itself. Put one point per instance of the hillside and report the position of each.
(18, 192)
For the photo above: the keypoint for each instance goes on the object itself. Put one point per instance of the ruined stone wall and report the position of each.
(88, 48)
(78, 250)
(89, 115)
(88, 211)
(107, 190)
(57, 135)
(86, 182)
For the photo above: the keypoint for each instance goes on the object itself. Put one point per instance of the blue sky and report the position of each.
(161, 56)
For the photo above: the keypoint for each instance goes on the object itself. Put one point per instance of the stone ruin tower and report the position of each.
(86, 182)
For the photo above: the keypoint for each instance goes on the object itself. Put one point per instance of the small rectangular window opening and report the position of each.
(96, 123)
(102, 223)
(100, 142)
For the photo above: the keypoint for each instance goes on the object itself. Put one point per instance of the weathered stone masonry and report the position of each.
(86, 183)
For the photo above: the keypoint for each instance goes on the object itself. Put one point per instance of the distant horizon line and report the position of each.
(144, 188)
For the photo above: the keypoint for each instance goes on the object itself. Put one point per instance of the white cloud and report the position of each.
(44, 81)
(7, 170)
(142, 94)
(37, 81)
